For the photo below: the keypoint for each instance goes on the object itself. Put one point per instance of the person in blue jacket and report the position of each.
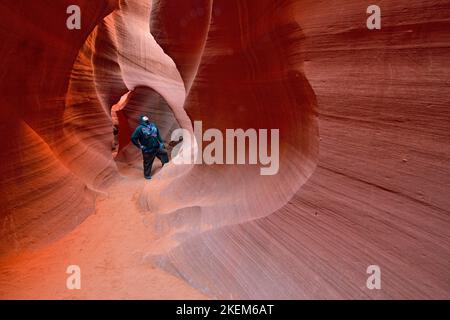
(147, 138)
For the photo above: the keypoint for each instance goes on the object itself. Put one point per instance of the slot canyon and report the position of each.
(364, 151)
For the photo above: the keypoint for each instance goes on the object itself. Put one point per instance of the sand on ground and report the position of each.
(109, 247)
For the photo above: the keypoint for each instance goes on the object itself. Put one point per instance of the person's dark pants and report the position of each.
(149, 157)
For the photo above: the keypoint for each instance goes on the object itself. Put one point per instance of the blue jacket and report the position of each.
(147, 137)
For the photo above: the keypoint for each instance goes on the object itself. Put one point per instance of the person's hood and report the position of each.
(141, 121)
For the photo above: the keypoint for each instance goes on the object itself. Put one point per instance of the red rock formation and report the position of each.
(43, 194)
(376, 194)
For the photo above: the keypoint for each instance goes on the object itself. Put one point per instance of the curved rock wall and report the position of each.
(376, 194)
(41, 197)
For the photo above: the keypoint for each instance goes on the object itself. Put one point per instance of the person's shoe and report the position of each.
(148, 177)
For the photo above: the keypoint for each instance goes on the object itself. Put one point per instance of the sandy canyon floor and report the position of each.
(110, 248)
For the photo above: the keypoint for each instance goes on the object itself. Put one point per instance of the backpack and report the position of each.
(150, 133)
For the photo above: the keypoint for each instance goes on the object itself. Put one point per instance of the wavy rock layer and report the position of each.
(372, 199)
(376, 194)
(43, 192)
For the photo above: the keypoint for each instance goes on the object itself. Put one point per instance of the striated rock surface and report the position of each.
(44, 193)
(374, 102)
